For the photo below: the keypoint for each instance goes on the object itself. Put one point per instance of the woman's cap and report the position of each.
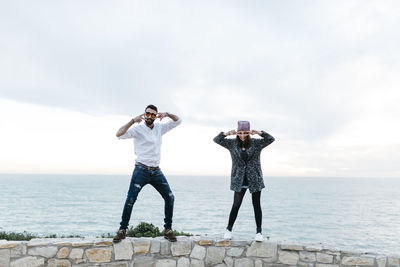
(243, 126)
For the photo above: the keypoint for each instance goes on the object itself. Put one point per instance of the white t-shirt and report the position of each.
(147, 142)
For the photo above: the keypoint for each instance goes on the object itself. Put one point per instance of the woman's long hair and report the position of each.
(244, 144)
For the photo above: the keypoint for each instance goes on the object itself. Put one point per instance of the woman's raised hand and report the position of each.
(253, 132)
(231, 132)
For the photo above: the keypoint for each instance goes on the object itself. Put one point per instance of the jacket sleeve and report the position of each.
(221, 140)
(266, 140)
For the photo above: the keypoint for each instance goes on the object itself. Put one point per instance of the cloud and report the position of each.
(309, 71)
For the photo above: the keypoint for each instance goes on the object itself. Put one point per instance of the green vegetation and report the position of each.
(16, 236)
(143, 229)
(25, 236)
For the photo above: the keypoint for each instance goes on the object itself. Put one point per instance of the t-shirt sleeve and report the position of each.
(165, 127)
(131, 133)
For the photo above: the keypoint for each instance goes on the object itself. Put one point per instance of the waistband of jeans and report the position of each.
(147, 167)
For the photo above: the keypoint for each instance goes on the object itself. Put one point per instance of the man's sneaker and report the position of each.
(228, 234)
(259, 237)
(121, 234)
(169, 235)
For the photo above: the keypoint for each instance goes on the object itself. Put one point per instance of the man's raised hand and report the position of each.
(162, 115)
(139, 118)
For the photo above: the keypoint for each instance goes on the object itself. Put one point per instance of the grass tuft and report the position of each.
(143, 229)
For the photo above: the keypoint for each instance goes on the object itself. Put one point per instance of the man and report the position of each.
(147, 143)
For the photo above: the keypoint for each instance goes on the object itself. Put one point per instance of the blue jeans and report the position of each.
(140, 177)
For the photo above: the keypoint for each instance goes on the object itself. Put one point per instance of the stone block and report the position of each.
(141, 246)
(82, 243)
(183, 262)
(215, 255)
(307, 256)
(38, 242)
(181, 247)
(305, 264)
(99, 254)
(166, 263)
(103, 243)
(143, 261)
(196, 263)
(240, 243)
(5, 255)
(165, 247)
(393, 262)
(263, 250)
(123, 250)
(290, 258)
(47, 252)
(9, 244)
(76, 255)
(63, 253)
(381, 262)
(324, 258)
(291, 247)
(155, 246)
(223, 243)
(18, 251)
(335, 252)
(245, 262)
(62, 244)
(28, 262)
(198, 252)
(314, 248)
(352, 260)
(228, 261)
(327, 265)
(58, 263)
(258, 263)
(346, 253)
(206, 242)
(116, 264)
(234, 252)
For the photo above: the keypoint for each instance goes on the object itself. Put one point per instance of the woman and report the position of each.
(246, 170)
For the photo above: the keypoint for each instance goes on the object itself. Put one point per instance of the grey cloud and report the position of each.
(277, 63)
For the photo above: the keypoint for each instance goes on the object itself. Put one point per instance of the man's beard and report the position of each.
(149, 122)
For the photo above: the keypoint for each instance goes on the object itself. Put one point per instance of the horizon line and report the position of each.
(207, 175)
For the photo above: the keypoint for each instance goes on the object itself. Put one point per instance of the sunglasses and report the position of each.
(152, 115)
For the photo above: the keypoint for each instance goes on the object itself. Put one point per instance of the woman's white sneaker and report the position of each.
(228, 234)
(259, 237)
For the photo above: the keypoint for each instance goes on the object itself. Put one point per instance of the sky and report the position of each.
(322, 77)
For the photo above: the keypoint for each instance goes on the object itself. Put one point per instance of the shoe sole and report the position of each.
(117, 241)
(170, 240)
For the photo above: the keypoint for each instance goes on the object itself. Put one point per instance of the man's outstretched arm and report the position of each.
(126, 127)
(165, 127)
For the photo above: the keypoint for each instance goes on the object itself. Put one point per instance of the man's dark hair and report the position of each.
(247, 142)
(152, 107)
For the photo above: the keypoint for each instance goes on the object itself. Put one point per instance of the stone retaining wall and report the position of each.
(186, 252)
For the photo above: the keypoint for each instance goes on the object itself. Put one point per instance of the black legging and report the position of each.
(237, 201)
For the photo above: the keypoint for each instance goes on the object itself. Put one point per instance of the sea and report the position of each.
(352, 214)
